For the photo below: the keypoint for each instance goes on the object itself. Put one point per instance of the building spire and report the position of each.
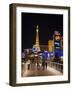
(37, 28)
(37, 38)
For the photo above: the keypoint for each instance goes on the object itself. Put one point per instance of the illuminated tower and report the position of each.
(37, 38)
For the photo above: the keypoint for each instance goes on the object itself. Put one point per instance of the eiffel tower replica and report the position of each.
(37, 39)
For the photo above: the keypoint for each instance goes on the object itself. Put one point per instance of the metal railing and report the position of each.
(56, 66)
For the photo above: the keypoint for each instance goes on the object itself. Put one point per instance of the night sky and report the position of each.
(48, 23)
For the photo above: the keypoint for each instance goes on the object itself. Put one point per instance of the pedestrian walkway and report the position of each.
(54, 71)
(40, 72)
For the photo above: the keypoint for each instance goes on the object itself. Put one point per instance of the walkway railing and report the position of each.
(56, 65)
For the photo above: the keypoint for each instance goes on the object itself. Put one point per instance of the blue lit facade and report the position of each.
(58, 50)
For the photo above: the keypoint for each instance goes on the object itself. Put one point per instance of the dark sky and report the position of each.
(48, 23)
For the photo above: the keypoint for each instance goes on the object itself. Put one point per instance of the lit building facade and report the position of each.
(58, 44)
(51, 45)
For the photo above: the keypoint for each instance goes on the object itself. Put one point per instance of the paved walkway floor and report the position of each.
(34, 71)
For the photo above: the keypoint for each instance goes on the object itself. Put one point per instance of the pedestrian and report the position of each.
(28, 64)
(46, 64)
(43, 65)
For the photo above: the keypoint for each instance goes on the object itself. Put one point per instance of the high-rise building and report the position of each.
(50, 45)
(58, 44)
(57, 40)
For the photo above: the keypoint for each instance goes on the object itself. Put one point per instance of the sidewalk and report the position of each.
(54, 71)
(40, 72)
